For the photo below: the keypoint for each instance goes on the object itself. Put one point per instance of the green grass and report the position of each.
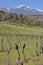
(21, 30)
(30, 44)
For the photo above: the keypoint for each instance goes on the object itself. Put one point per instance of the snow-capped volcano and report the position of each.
(27, 10)
(27, 7)
(23, 9)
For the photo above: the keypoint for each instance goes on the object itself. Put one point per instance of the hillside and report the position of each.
(30, 42)
(21, 39)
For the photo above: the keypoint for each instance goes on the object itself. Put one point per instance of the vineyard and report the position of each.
(21, 46)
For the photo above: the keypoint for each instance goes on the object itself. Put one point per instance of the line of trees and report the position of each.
(19, 18)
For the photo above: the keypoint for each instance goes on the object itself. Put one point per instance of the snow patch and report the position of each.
(39, 10)
(23, 6)
(8, 8)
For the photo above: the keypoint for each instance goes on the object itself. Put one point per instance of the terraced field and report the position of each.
(9, 41)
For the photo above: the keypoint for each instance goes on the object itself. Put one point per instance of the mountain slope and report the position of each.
(23, 9)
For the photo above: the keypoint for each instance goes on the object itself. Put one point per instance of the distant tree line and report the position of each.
(20, 19)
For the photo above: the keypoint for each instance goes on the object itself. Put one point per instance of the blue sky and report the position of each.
(14, 3)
